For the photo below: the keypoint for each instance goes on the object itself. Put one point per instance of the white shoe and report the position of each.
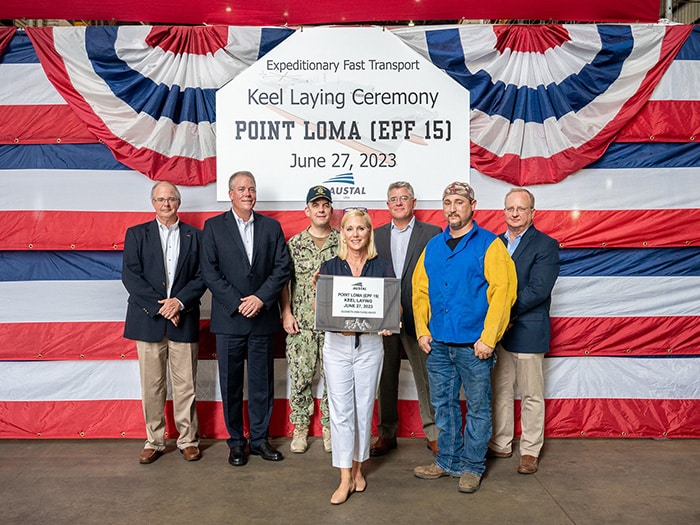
(299, 443)
(327, 439)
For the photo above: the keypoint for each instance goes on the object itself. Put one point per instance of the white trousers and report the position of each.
(515, 370)
(352, 377)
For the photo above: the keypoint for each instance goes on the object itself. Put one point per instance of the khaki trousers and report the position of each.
(521, 371)
(154, 361)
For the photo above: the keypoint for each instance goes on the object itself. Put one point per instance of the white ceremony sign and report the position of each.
(351, 108)
(354, 296)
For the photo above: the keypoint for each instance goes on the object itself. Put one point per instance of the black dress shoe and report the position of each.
(265, 451)
(237, 456)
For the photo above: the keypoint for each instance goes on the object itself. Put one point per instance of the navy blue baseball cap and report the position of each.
(319, 192)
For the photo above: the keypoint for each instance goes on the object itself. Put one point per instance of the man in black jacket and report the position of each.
(245, 264)
(161, 273)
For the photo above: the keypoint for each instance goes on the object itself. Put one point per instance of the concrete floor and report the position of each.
(581, 481)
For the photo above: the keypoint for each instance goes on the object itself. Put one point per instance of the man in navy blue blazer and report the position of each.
(520, 355)
(245, 264)
(160, 271)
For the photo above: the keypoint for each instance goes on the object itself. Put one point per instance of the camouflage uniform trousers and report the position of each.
(304, 357)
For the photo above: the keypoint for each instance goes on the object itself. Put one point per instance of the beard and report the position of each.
(457, 221)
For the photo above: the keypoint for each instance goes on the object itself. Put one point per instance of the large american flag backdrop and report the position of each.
(599, 121)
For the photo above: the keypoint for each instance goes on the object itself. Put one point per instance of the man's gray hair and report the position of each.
(401, 184)
(240, 174)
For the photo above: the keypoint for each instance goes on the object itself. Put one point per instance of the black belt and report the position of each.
(458, 345)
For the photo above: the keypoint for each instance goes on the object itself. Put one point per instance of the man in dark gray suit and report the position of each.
(160, 271)
(401, 242)
(245, 264)
(520, 355)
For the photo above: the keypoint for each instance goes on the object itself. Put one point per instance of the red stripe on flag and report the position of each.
(664, 121)
(114, 419)
(6, 34)
(200, 40)
(618, 418)
(565, 418)
(43, 124)
(530, 38)
(99, 341)
(624, 336)
(571, 336)
(609, 228)
(94, 230)
(85, 230)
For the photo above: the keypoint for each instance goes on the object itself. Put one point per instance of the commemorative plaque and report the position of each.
(358, 304)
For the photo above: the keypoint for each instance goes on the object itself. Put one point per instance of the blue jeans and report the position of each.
(450, 368)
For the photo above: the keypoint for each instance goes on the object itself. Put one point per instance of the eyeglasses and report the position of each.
(169, 200)
(402, 198)
(519, 209)
(362, 210)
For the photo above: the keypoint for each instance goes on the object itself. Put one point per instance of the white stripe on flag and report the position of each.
(625, 296)
(126, 191)
(565, 378)
(69, 301)
(679, 82)
(590, 296)
(26, 84)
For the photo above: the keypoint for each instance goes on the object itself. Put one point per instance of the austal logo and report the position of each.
(358, 286)
(348, 185)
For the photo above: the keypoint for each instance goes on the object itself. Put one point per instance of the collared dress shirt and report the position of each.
(170, 244)
(513, 245)
(399, 245)
(247, 231)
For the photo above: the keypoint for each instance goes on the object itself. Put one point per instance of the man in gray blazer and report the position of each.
(401, 242)
(160, 271)
(520, 354)
(245, 264)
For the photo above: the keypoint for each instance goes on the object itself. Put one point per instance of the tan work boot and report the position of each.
(469, 482)
(327, 439)
(431, 471)
(299, 443)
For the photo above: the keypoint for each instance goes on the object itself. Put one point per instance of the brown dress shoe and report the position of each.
(528, 464)
(432, 445)
(382, 446)
(191, 453)
(149, 455)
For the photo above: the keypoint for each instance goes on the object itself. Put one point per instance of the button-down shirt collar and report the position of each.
(246, 229)
(399, 245)
(170, 244)
(513, 245)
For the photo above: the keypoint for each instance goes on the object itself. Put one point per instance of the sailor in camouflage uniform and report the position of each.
(307, 250)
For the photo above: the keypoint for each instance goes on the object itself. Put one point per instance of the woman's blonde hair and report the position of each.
(349, 214)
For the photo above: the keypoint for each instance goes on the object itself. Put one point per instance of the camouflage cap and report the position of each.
(459, 188)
